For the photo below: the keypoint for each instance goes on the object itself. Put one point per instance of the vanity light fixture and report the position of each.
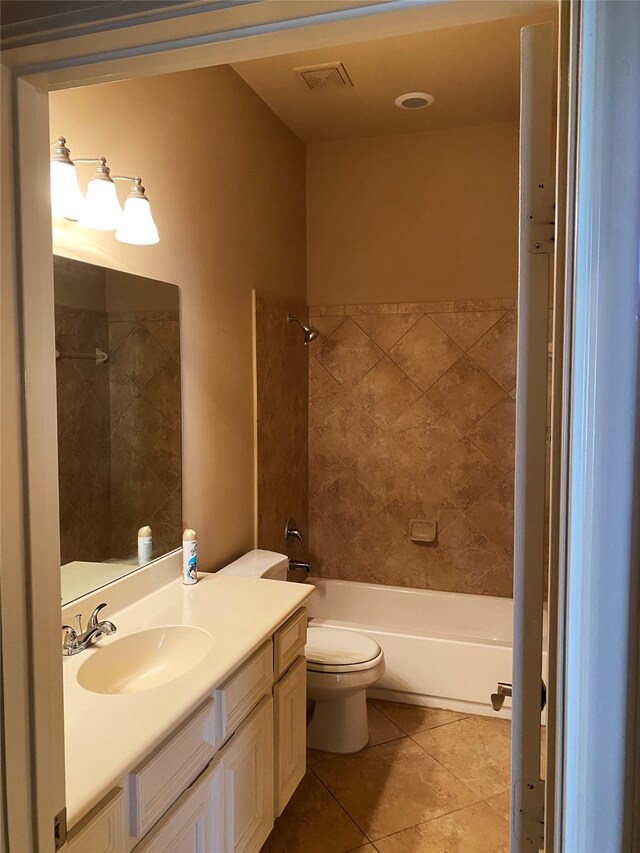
(136, 223)
(66, 196)
(100, 208)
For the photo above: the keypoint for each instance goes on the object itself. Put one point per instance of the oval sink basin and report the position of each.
(144, 660)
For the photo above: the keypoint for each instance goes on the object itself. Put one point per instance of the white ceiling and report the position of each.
(471, 70)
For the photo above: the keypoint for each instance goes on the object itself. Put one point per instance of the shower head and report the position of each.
(310, 332)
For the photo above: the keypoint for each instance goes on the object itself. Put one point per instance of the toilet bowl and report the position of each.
(341, 665)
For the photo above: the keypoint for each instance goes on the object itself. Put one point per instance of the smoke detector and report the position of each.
(414, 101)
(331, 75)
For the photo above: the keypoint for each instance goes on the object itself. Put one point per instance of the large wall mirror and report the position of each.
(119, 421)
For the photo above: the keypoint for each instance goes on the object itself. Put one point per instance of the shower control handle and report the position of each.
(291, 532)
(497, 699)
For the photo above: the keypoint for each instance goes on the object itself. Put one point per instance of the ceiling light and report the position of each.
(66, 197)
(414, 101)
(136, 223)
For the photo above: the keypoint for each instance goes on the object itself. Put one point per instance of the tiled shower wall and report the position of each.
(146, 460)
(281, 422)
(84, 447)
(412, 416)
(119, 436)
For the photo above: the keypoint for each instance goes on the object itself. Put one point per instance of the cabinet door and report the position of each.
(247, 782)
(193, 824)
(290, 701)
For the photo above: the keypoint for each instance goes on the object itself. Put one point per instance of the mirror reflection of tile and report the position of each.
(119, 422)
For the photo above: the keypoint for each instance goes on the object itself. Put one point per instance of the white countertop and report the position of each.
(106, 735)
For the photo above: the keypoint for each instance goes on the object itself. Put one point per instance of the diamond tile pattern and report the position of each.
(412, 418)
(119, 436)
(285, 384)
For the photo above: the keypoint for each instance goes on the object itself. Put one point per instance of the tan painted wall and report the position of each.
(226, 180)
(421, 217)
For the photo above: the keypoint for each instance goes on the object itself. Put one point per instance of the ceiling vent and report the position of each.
(330, 75)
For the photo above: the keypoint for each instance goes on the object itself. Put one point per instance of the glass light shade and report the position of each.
(137, 225)
(101, 209)
(66, 196)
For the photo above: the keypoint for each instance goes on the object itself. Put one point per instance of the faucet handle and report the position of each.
(291, 532)
(93, 619)
(69, 633)
(78, 616)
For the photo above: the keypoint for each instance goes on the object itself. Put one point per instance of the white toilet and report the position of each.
(341, 664)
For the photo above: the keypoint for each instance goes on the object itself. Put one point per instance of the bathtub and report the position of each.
(443, 649)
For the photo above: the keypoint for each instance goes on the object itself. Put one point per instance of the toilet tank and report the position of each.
(259, 564)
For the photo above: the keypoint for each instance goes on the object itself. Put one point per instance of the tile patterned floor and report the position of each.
(430, 781)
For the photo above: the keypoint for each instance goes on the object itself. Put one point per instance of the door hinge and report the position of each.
(529, 803)
(539, 218)
(60, 829)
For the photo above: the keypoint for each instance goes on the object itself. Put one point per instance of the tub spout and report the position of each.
(299, 564)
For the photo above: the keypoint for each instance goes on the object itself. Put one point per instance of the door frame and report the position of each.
(29, 581)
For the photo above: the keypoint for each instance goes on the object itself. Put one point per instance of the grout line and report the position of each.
(355, 822)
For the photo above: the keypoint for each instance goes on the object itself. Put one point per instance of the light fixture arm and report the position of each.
(137, 190)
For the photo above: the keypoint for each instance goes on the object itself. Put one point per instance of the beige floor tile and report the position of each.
(313, 822)
(415, 718)
(476, 750)
(391, 787)
(475, 829)
(315, 755)
(381, 727)
(501, 804)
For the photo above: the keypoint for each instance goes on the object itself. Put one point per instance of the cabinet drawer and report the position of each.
(290, 641)
(160, 779)
(104, 829)
(242, 692)
(193, 823)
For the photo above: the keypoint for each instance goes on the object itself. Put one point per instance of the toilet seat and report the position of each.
(333, 650)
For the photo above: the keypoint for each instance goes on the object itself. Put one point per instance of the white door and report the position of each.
(537, 195)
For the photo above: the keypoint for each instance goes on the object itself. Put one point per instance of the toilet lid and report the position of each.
(334, 647)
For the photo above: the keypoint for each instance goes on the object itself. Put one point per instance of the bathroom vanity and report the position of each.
(174, 743)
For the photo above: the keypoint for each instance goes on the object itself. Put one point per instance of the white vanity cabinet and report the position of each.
(216, 783)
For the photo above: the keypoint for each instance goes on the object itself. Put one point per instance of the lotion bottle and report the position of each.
(145, 545)
(189, 557)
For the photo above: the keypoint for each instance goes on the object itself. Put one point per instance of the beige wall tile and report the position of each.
(425, 352)
(349, 354)
(466, 327)
(283, 376)
(385, 393)
(372, 308)
(433, 455)
(465, 393)
(386, 329)
(495, 352)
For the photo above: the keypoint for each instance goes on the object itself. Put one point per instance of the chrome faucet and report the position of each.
(73, 642)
